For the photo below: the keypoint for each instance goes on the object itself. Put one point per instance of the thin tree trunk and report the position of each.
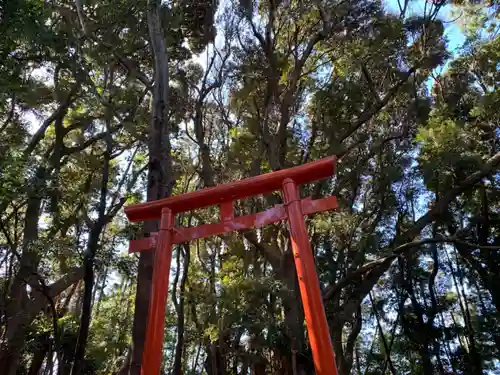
(49, 367)
(16, 317)
(89, 259)
(101, 292)
(387, 349)
(485, 313)
(434, 305)
(447, 347)
(393, 336)
(475, 356)
(43, 346)
(177, 368)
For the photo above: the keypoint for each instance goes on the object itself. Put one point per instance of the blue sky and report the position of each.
(453, 33)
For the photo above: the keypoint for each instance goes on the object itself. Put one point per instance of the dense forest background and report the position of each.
(112, 102)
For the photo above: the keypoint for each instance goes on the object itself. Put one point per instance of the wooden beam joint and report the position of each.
(229, 223)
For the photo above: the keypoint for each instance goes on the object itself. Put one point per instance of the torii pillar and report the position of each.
(293, 210)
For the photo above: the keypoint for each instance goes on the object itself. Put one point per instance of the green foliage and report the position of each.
(254, 87)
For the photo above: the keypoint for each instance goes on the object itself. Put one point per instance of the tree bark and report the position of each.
(19, 309)
(160, 181)
(11, 351)
(43, 346)
(89, 260)
(177, 368)
(294, 314)
(18, 301)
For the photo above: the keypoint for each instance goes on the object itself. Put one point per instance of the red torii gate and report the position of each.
(224, 196)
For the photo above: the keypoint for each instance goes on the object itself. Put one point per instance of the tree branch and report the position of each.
(379, 266)
(369, 113)
(53, 290)
(369, 80)
(397, 252)
(272, 255)
(438, 208)
(10, 114)
(40, 133)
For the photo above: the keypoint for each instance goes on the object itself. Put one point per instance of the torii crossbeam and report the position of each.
(293, 210)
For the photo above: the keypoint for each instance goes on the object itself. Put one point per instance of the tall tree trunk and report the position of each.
(19, 309)
(294, 314)
(101, 292)
(177, 368)
(475, 356)
(160, 180)
(41, 351)
(89, 260)
(293, 311)
(86, 313)
(18, 301)
(386, 347)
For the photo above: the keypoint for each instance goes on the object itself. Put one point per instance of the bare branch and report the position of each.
(397, 252)
(489, 166)
(369, 80)
(81, 16)
(125, 174)
(89, 142)
(53, 290)
(131, 68)
(271, 253)
(60, 111)
(117, 206)
(402, 8)
(10, 114)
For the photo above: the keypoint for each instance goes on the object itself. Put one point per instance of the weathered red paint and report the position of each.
(143, 244)
(294, 210)
(254, 221)
(226, 211)
(317, 326)
(314, 171)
